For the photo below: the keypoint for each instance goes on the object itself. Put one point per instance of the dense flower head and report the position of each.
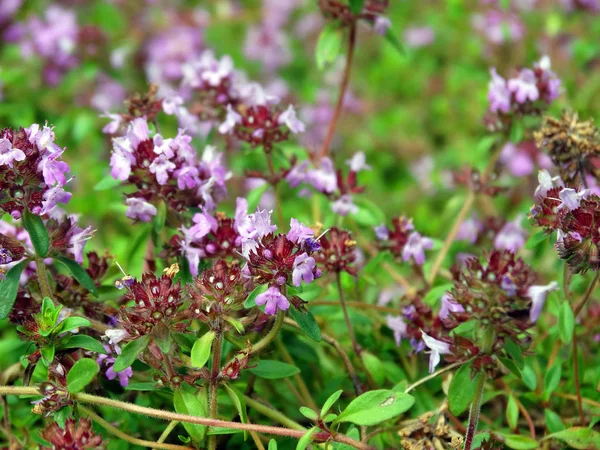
(338, 252)
(32, 174)
(525, 92)
(155, 300)
(571, 144)
(167, 170)
(403, 241)
(372, 11)
(76, 435)
(498, 290)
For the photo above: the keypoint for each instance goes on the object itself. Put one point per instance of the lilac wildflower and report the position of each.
(273, 300)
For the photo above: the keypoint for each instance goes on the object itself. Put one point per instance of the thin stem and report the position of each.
(342, 93)
(474, 412)
(574, 397)
(308, 400)
(338, 348)
(108, 427)
(434, 375)
(357, 305)
(165, 434)
(576, 377)
(587, 295)
(42, 274)
(213, 395)
(275, 186)
(355, 345)
(273, 414)
(523, 410)
(451, 236)
(272, 334)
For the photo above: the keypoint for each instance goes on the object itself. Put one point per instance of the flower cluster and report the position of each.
(32, 173)
(338, 252)
(372, 11)
(403, 241)
(278, 260)
(75, 435)
(573, 214)
(523, 93)
(165, 170)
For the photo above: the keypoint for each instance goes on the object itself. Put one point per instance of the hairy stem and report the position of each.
(271, 335)
(42, 273)
(355, 345)
(108, 427)
(474, 412)
(342, 93)
(168, 415)
(308, 400)
(213, 392)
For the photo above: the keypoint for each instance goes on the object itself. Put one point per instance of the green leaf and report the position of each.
(37, 232)
(130, 352)
(330, 402)
(515, 353)
(47, 352)
(535, 239)
(239, 326)
(273, 370)
(307, 323)
(551, 380)
(374, 407)
(329, 44)
(578, 437)
(71, 323)
(529, 377)
(106, 183)
(517, 131)
(394, 41)
(84, 342)
(159, 220)
(308, 413)
(374, 367)
(239, 402)
(201, 350)
(9, 288)
(566, 323)
(518, 442)
(272, 445)
(79, 274)
(185, 401)
(250, 301)
(81, 374)
(460, 392)
(553, 421)
(512, 412)
(306, 439)
(369, 213)
(356, 6)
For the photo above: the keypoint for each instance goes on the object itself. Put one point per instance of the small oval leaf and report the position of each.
(81, 374)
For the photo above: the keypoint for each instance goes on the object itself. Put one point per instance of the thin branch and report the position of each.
(357, 305)
(108, 427)
(342, 93)
(434, 375)
(308, 400)
(165, 434)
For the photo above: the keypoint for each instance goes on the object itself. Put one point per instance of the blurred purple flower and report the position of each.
(415, 248)
(298, 232)
(512, 236)
(416, 37)
(344, 205)
(138, 208)
(469, 230)
(538, 295)
(448, 306)
(398, 326)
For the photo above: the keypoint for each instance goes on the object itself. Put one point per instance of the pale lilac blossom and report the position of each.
(273, 300)
(398, 327)
(304, 266)
(538, 295)
(512, 236)
(138, 208)
(415, 248)
(437, 348)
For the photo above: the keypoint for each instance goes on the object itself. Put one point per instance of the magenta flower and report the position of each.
(511, 237)
(298, 232)
(108, 363)
(288, 117)
(273, 301)
(524, 87)
(498, 93)
(448, 306)
(398, 326)
(79, 236)
(53, 170)
(231, 120)
(52, 197)
(140, 209)
(161, 167)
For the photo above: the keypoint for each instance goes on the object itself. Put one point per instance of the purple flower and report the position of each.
(138, 131)
(268, 45)
(304, 266)
(499, 27)
(53, 170)
(570, 198)
(397, 325)
(382, 232)
(297, 174)
(324, 178)
(161, 167)
(109, 361)
(53, 197)
(9, 154)
(469, 230)
(381, 25)
(231, 120)
(43, 138)
(437, 348)
(253, 228)
(538, 295)
(108, 94)
(448, 306)
(121, 159)
(288, 117)
(511, 237)
(138, 208)
(416, 37)
(115, 122)
(298, 232)
(524, 87)
(77, 241)
(415, 248)
(498, 93)
(274, 301)
(358, 162)
(344, 205)
(203, 225)
(547, 182)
